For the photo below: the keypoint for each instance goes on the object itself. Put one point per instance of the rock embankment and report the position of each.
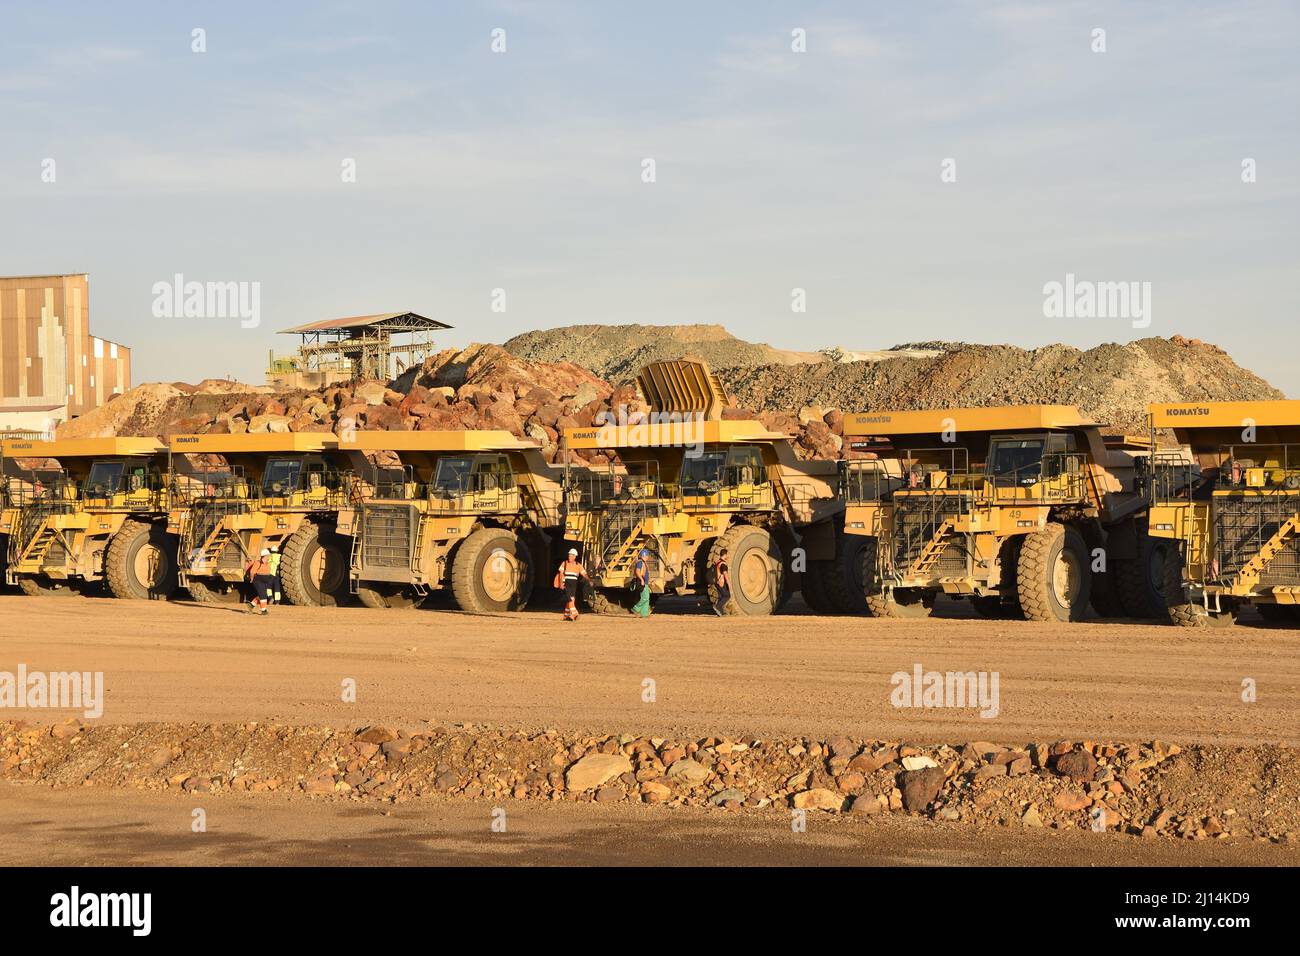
(1112, 383)
(1149, 789)
(540, 383)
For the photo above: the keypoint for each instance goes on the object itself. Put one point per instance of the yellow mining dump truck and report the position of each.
(19, 477)
(840, 585)
(233, 495)
(101, 516)
(476, 512)
(1023, 510)
(683, 485)
(1230, 508)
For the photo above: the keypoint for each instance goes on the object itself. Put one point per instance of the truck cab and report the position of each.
(233, 495)
(99, 518)
(685, 483)
(956, 495)
(1227, 500)
(470, 512)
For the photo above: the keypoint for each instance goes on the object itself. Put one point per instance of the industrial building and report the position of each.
(358, 347)
(51, 367)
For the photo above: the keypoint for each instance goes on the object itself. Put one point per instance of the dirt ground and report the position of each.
(95, 828)
(788, 675)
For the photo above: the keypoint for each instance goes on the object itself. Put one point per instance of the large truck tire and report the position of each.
(614, 601)
(757, 571)
(1140, 581)
(1105, 597)
(1008, 584)
(140, 563)
(703, 569)
(901, 603)
(812, 584)
(855, 574)
(1185, 612)
(546, 556)
(382, 596)
(34, 585)
(314, 566)
(213, 592)
(897, 603)
(492, 571)
(1054, 575)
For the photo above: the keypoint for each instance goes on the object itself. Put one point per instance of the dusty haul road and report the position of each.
(791, 675)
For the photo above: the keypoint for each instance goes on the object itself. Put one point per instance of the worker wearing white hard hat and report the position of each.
(261, 578)
(569, 577)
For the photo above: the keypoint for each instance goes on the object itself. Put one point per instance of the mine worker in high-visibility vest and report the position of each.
(259, 576)
(569, 578)
(275, 570)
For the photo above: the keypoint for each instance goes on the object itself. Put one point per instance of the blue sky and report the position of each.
(775, 170)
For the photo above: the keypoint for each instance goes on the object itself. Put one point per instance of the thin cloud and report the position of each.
(90, 57)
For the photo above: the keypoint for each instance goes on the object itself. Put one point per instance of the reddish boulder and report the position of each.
(920, 787)
(383, 417)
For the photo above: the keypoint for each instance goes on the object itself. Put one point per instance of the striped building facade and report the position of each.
(51, 367)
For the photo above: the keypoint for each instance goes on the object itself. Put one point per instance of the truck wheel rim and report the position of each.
(148, 565)
(500, 572)
(1066, 578)
(325, 573)
(754, 576)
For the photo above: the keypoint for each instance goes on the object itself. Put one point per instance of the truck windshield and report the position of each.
(745, 465)
(216, 484)
(281, 476)
(105, 478)
(702, 470)
(390, 482)
(1019, 460)
(451, 479)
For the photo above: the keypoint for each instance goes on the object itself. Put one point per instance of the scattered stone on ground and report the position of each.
(1152, 789)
